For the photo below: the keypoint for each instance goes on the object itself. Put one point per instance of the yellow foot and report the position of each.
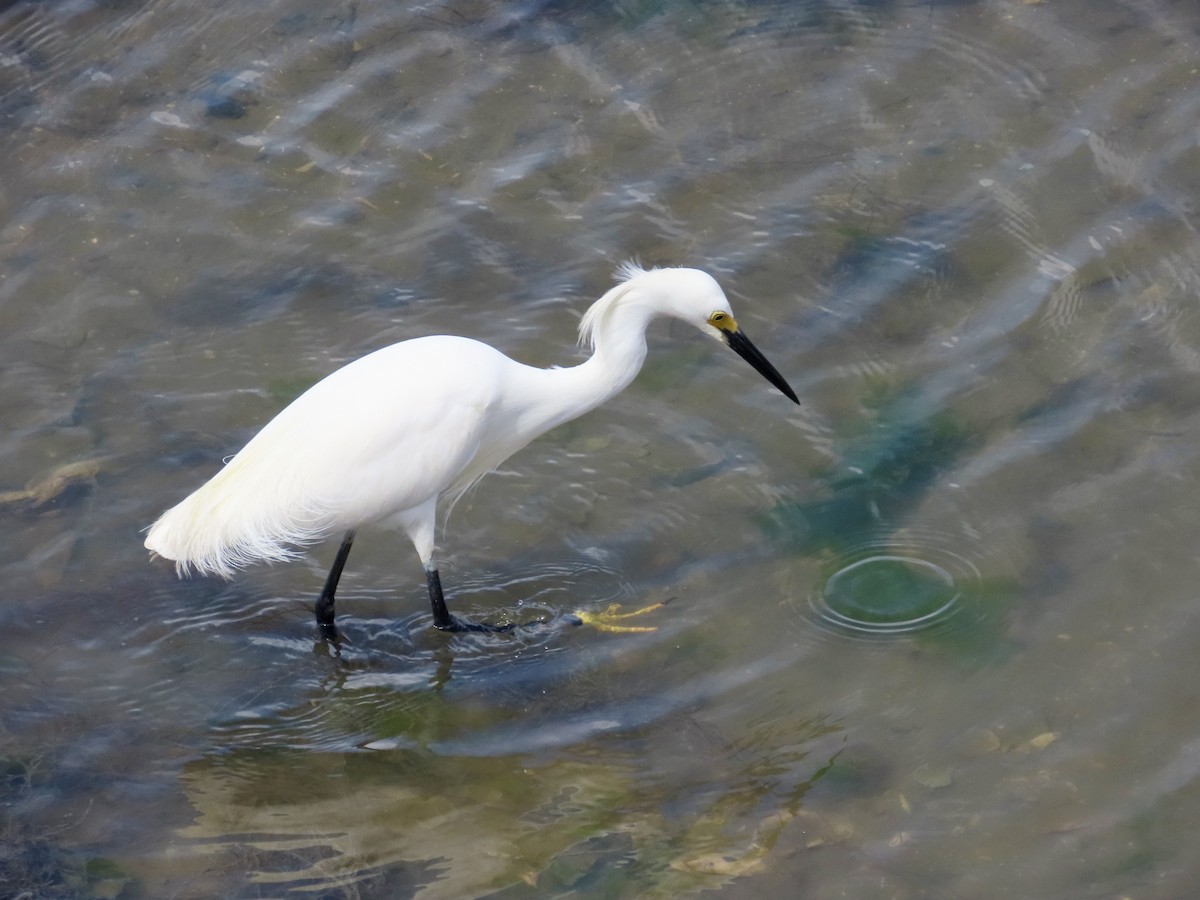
(609, 619)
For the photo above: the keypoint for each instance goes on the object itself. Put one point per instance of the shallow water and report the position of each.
(930, 634)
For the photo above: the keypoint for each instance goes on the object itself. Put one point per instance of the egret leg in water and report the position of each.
(385, 438)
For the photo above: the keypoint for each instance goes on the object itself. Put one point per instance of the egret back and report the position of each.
(379, 436)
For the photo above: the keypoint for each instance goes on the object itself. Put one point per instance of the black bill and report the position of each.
(742, 346)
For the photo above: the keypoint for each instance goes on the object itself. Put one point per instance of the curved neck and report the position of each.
(616, 359)
(566, 393)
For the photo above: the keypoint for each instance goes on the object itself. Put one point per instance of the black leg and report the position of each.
(324, 608)
(442, 620)
(441, 615)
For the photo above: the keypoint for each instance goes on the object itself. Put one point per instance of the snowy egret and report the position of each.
(385, 437)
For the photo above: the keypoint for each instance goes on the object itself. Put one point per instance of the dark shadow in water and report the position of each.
(882, 476)
(883, 578)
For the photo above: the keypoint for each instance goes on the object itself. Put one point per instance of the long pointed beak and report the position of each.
(742, 346)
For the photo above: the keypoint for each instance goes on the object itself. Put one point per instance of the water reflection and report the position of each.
(452, 826)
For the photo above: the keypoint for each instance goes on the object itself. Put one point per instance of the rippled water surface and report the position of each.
(931, 634)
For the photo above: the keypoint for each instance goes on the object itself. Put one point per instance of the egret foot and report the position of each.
(443, 621)
(609, 619)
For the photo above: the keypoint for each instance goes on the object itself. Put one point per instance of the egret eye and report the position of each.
(718, 319)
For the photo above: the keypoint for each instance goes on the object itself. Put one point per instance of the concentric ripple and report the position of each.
(888, 594)
(895, 586)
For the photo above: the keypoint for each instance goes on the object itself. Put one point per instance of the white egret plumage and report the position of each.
(388, 436)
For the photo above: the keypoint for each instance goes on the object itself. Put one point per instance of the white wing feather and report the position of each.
(329, 461)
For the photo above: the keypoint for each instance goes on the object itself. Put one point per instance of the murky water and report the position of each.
(932, 634)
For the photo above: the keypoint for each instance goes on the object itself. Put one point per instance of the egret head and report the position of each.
(696, 298)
